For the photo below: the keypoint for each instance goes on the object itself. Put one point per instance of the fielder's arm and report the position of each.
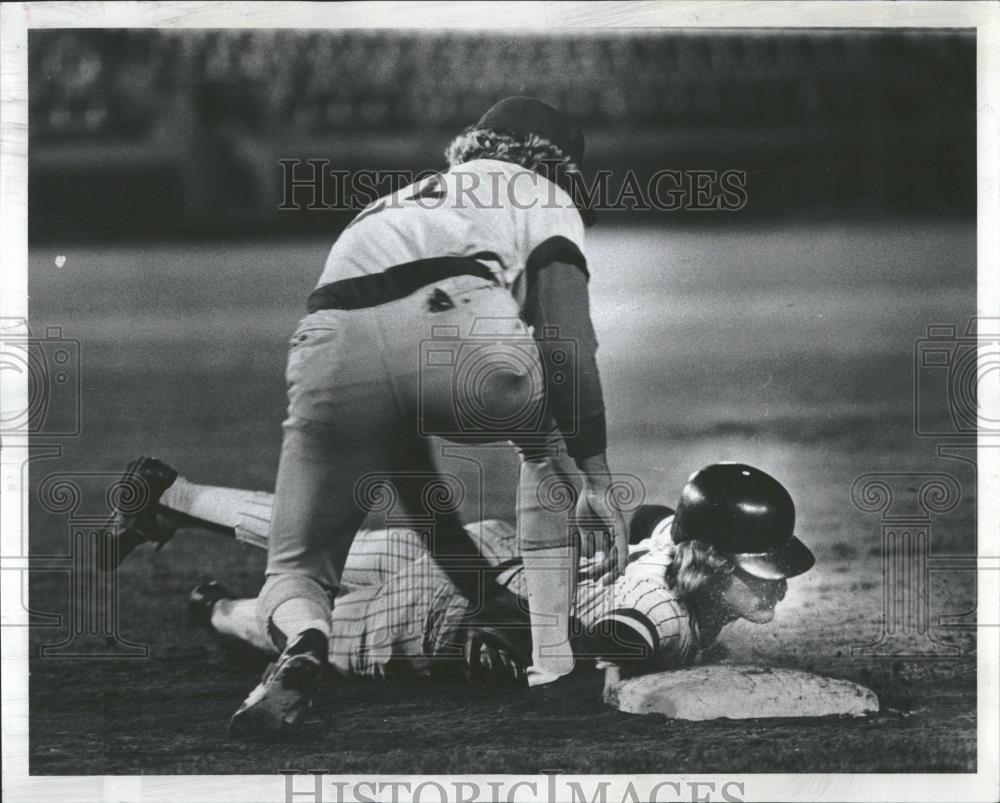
(558, 301)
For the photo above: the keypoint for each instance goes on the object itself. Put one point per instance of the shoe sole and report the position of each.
(279, 699)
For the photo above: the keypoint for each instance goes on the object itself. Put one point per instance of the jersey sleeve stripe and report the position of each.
(554, 249)
(639, 622)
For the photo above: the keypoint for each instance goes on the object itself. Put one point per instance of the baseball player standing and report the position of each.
(484, 263)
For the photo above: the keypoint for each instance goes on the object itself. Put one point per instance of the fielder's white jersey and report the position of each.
(504, 215)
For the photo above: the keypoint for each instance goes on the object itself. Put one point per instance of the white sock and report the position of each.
(206, 502)
(294, 616)
(550, 575)
(237, 618)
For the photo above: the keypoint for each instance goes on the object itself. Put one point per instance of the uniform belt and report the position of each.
(392, 284)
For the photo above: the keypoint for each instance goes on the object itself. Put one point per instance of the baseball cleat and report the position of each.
(580, 690)
(202, 600)
(134, 520)
(285, 690)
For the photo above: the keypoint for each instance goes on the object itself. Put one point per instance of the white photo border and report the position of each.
(529, 17)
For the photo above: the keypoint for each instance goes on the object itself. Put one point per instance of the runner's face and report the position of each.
(752, 598)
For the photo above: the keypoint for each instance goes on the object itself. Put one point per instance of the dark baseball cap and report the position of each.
(524, 115)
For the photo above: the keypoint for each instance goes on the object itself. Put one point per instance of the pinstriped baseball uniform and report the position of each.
(398, 611)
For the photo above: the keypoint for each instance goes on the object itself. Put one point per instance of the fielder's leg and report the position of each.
(409, 621)
(457, 552)
(545, 501)
(317, 511)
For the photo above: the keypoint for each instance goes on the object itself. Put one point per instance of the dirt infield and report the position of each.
(789, 349)
(168, 714)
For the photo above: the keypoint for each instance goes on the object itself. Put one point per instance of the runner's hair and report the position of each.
(693, 564)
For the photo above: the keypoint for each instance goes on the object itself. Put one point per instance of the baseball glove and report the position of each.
(497, 641)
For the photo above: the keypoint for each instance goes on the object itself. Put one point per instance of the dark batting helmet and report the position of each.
(746, 514)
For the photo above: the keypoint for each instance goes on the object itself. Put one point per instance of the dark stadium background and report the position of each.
(175, 132)
(782, 335)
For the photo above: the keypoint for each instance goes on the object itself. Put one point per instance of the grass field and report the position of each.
(789, 347)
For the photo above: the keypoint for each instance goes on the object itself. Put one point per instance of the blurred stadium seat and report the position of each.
(95, 83)
(758, 96)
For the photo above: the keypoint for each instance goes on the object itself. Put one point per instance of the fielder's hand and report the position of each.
(603, 535)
